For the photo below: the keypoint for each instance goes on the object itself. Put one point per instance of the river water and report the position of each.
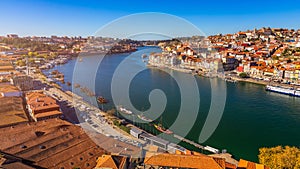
(252, 117)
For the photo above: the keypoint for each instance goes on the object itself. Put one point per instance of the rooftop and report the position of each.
(5, 88)
(48, 113)
(52, 143)
(185, 161)
(111, 161)
(12, 111)
(39, 101)
(244, 164)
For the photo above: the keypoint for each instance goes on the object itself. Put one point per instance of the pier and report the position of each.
(207, 148)
(189, 141)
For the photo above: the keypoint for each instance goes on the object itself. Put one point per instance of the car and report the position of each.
(89, 121)
(95, 126)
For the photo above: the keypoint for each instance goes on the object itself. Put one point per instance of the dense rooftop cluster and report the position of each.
(269, 54)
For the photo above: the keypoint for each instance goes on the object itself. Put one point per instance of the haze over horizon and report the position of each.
(84, 18)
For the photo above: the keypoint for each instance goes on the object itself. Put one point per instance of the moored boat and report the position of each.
(163, 130)
(124, 110)
(142, 117)
(144, 56)
(283, 90)
(101, 100)
(76, 85)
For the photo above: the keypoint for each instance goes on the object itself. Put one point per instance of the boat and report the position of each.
(101, 100)
(144, 56)
(163, 130)
(76, 85)
(211, 149)
(142, 117)
(283, 90)
(123, 110)
(230, 80)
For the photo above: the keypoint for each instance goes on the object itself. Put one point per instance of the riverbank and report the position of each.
(233, 79)
(250, 80)
(169, 67)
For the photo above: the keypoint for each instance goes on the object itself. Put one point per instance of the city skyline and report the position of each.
(131, 85)
(76, 18)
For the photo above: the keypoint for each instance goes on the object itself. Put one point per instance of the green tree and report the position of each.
(280, 157)
(243, 75)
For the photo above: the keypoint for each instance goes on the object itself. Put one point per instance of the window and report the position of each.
(42, 147)
(23, 146)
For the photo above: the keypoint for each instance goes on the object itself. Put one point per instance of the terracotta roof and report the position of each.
(52, 143)
(5, 88)
(244, 164)
(185, 161)
(6, 68)
(12, 111)
(228, 159)
(39, 101)
(49, 113)
(111, 161)
(106, 161)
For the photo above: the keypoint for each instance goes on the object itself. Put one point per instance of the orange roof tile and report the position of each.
(4, 88)
(106, 161)
(39, 101)
(12, 111)
(48, 113)
(184, 161)
(244, 164)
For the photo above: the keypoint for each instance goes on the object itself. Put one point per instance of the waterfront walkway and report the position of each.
(189, 141)
(94, 117)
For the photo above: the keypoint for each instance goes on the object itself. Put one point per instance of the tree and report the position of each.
(20, 63)
(31, 54)
(274, 57)
(111, 112)
(243, 75)
(31, 60)
(280, 157)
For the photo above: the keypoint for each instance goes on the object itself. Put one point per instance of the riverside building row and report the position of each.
(269, 54)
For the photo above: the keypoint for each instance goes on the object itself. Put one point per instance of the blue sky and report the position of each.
(84, 18)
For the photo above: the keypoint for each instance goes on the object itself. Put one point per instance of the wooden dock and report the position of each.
(189, 141)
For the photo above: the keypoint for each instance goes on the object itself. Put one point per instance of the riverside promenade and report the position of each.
(89, 116)
(95, 118)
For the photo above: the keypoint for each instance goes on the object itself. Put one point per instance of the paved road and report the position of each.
(92, 116)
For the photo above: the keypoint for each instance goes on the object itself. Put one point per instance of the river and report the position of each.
(252, 117)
